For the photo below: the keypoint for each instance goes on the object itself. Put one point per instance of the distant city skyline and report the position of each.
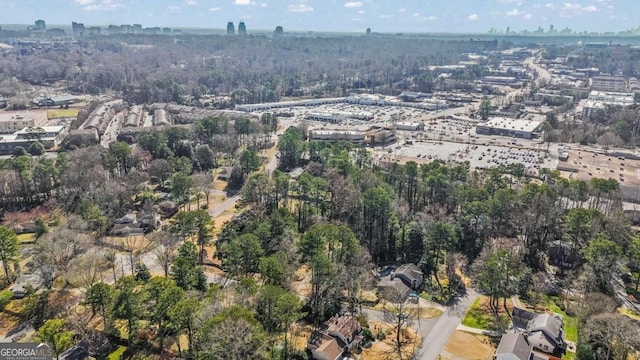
(459, 16)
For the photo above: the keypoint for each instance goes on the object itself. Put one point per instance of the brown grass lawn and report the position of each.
(468, 346)
(302, 281)
(299, 336)
(7, 319)
(385, 349)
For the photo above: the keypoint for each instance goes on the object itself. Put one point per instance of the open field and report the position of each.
(62, 113)
(468, 346)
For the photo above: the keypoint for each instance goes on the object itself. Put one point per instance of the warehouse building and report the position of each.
(518, 128)
(11, 122)
(59, 100)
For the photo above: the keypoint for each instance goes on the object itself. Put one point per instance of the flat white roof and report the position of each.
(511, 124)
(337, 132)
(47, 129)
(408, 123)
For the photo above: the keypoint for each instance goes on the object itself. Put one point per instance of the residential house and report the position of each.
(404, 280)
(544, 331)
(167, 209)
(124, 230)
(148, 221)
(546, 334)
(25, 282)
(338, 336)
(225, 173)
(514, 346)
(563, 255)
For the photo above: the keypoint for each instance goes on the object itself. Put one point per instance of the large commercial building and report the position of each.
(11, 122)
(356, 137)
(49, 136)
(518, 128)
(336, 117)
(362, 99)
(608, 83)
(376, 136)
(612, 98)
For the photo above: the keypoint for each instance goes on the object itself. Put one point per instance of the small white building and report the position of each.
(409, 126)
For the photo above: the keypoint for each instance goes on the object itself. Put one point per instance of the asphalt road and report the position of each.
(435, 332)
(434, 341)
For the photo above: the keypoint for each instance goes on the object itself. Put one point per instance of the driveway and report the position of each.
(434, 341)
(435, 332)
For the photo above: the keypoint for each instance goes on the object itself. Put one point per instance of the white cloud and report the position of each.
(174, 8)
(384, 16)
(84, 2)
(402, 10)
(353, 4)
(214, 9)
(191, 2)
(528, 16)
(432, 18)
(300, 8)
(244, 2)
(360, 12)
(263, 5)
(104, 5)
(416, 14)
(519, 2)
(513, 12)
(570, 9)
(550, 6)
(472, 17)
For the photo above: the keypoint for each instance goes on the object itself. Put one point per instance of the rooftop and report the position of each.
(514, 344)
(511, 124)
(10, 116)
(46, 129)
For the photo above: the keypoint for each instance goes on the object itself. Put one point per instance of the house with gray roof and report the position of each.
(544, 331)
(402, 281)
(546, 334)
(514, 346)
(24, 283)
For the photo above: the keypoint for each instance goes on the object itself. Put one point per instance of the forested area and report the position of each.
(251, 69)
(340, 219)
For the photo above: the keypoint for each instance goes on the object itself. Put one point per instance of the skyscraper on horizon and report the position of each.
(231, 29)
(278, 32)
(39, 25)
(242, 28)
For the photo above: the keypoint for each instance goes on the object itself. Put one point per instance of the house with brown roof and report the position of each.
(336, 337)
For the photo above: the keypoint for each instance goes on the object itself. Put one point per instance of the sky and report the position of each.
(390, 16)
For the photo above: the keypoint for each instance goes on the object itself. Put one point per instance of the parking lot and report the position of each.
(452, 139)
